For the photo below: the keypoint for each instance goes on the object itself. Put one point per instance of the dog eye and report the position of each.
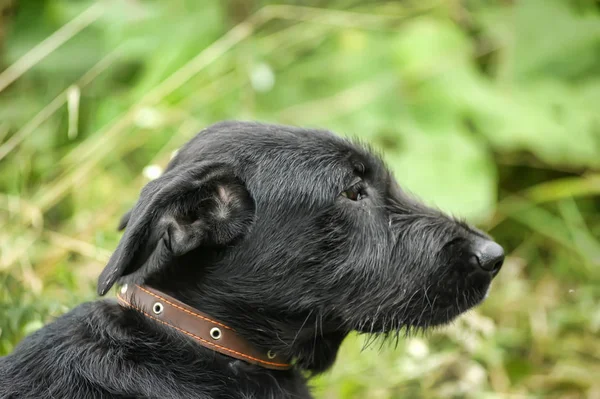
(354, 193)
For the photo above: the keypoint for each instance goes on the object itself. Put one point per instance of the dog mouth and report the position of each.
(430, 306)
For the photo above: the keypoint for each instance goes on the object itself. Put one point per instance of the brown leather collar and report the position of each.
(206, 331)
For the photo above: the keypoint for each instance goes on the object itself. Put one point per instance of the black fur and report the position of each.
(248, 225)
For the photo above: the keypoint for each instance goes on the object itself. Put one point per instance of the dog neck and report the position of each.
(307, 340)
(208, 332)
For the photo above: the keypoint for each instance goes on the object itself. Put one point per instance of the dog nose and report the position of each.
(489, 256)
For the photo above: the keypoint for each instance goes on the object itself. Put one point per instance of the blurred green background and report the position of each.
(487, 109)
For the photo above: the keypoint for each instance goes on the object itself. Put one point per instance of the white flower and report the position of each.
(152, 172)
(417, 348)
(148, 118)
(262, 78)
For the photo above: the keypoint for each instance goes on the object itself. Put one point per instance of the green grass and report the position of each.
(486, 109)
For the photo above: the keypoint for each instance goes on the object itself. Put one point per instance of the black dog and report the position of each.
(292, 237)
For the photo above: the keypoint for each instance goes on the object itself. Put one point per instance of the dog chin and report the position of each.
(423, 319)
(445, 316)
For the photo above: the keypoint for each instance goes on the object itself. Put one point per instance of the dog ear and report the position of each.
(189, 206)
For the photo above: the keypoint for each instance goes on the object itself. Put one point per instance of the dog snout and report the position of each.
(487, 256)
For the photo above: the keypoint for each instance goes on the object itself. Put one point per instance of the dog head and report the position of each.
(297, 236)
